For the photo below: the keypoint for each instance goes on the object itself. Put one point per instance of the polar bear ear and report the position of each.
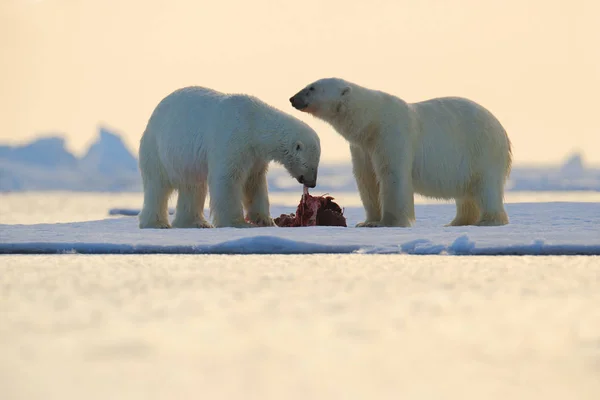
(346, 90)
(299, 146)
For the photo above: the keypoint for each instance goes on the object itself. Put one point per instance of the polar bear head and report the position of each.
(301, 155)
(324, 98)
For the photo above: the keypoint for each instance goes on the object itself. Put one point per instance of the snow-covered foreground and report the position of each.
(535, 229)
(321, 327)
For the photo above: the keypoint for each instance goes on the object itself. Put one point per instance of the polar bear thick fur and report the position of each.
(446, 148)
(198, 139)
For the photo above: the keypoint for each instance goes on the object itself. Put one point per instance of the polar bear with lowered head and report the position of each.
(447, 148)
(200, 140)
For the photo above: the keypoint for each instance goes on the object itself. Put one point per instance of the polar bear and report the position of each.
(198, 140)
(447, 148)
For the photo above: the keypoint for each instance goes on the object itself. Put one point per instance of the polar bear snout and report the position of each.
(310, 183)
(297, 102)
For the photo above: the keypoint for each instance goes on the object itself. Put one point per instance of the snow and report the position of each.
(572, 175)
(108, 156)
(535, 229)
(45, 164)
(47, 152)
(299, 327)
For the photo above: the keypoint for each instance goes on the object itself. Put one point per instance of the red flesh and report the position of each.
(313, 211)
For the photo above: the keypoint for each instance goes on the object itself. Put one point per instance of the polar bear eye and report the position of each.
(312, 88)
(298, 147)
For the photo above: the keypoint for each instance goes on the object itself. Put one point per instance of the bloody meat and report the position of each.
(313, 211)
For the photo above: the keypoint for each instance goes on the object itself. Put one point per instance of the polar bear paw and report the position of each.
(155, 225)
(370, 224)
(261, 220)
(197, 223)
(381, 224)
(493, 219)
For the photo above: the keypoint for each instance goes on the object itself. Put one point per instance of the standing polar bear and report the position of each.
(198, 139)
(448, 148)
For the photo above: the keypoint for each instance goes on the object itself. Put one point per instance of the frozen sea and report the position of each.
(380, 319)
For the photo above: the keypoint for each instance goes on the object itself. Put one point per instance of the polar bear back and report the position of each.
(457, 138)
(193, 121)
(181, 128)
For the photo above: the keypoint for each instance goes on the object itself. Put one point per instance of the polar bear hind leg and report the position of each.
(189, 212)
(467, 212)
(155, 213)
(490, 199)
(157, 188)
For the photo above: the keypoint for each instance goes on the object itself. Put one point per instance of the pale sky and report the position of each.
(68, 65)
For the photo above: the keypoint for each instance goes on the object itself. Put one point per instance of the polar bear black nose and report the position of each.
(298, 103)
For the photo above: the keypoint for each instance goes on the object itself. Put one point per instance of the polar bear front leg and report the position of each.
(368, 188)
(256, 198)
(226, 200)
(394, 174)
